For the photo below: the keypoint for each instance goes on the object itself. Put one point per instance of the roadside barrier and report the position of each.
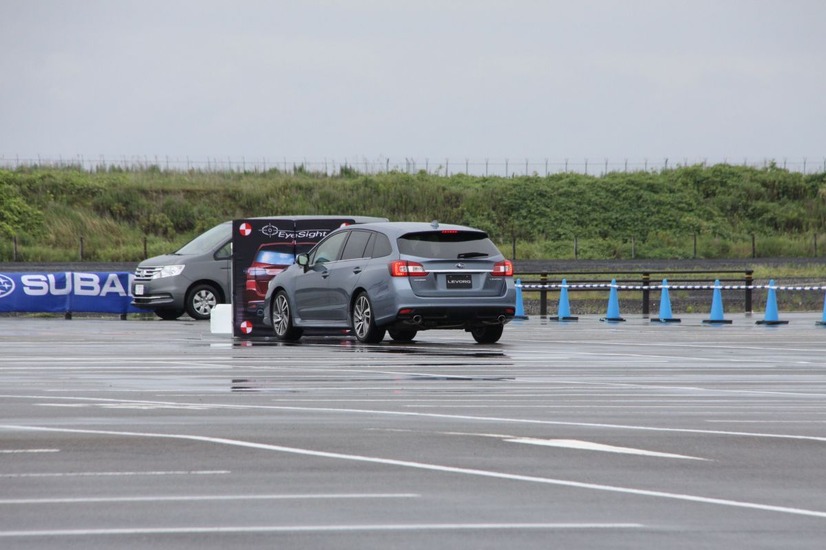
(642, 278)
(716, 316)
(67, 293)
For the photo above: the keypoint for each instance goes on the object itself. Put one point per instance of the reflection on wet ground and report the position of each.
(405, 348)
(277, 385)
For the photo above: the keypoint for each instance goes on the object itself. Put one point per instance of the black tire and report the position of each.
(168, 314)
(200, 300)
(363, 322)
(282, 319)
(402, 335)
(487, 334)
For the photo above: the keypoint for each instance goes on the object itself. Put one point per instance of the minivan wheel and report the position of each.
(402, 335)
(282, 319)
(364, 325)
(487, 334)
(200, 300)
(168, 314)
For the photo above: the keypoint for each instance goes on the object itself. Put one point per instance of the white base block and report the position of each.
(220, 319)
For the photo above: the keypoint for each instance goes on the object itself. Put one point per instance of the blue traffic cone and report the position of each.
(717, 308)
(770, 317)
(613, 314)
(665, 307)
(822, 322)
(520, 307)
(564, 313)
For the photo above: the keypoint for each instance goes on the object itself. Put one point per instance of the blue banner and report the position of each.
(67, 292)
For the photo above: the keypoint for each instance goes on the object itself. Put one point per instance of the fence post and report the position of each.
(753, 246)
(646, 294)
(14, 249)
(543, 296)
(749, 282)
(81, 248)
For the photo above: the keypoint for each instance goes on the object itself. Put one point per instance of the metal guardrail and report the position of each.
(545, 282)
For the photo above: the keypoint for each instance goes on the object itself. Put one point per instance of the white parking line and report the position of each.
(205, 498)
(497, 419)
(319, 529)
(26, 451)
(115, 474)
(561, 443)
(589, 446)
(446, 469)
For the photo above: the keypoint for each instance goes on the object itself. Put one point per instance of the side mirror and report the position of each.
(303, 260)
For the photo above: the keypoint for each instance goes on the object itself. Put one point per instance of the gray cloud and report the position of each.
(329, 79)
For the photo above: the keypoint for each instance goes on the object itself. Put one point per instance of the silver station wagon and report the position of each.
(395, 278)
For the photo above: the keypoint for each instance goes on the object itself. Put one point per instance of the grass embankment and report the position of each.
(722, 211)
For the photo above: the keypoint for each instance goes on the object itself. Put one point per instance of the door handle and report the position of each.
(356, 270)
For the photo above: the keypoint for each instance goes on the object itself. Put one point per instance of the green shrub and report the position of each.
(659, 212)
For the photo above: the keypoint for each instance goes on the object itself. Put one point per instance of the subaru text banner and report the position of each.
(66, 292)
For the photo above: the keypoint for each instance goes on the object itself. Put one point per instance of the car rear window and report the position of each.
(275, 257)
(447, 244)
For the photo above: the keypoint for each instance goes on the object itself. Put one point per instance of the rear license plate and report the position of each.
(460, 281)
(138, 290)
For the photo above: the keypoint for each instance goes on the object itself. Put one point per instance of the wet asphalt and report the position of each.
(146, 433)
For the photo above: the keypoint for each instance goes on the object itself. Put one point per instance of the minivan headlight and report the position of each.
(169, 271)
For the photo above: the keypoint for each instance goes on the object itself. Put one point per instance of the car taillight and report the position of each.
(403, 268)
(502, 269)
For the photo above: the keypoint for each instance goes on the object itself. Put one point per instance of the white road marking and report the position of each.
(443, 416)
(203, 498)
(445, 469)
(589, 446)
(25, 451)
(115, 474)
(317, 529)
(766, 421)
(561, 443)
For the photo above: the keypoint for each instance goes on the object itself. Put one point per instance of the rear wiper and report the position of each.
(472, 254)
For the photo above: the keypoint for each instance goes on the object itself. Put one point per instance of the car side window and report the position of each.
(356, 245)
(328, 249)
(225, 252)
(381, 247)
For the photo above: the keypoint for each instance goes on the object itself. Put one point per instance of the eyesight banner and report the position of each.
(67, 292)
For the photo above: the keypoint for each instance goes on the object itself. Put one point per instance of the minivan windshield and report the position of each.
(447, 245)
(207, 242)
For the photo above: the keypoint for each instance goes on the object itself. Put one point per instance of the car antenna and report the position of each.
(434, 224)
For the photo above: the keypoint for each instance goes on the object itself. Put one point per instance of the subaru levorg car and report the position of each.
(398, 278)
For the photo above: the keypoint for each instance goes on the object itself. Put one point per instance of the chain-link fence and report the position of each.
(444, 166)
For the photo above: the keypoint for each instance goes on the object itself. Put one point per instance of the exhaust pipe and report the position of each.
(501, 319)
(417, 319)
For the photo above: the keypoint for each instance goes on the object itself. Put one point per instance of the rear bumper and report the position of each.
(454, 317)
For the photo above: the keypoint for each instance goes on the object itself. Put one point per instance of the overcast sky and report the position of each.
(316, 79)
